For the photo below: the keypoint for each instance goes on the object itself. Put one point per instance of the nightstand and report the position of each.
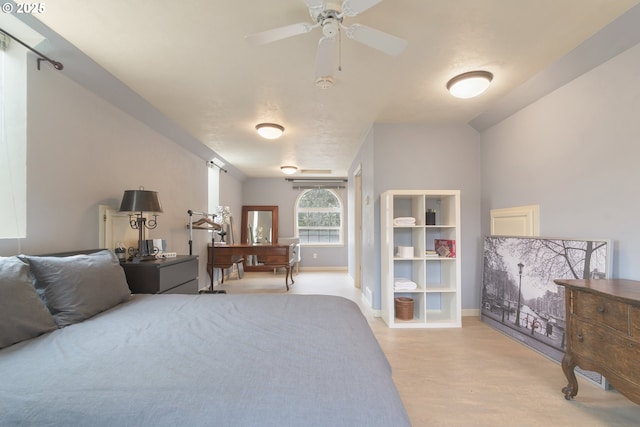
(177, 275)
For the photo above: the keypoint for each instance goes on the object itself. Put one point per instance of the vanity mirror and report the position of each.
(259, 227)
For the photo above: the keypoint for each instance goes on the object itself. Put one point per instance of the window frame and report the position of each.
(339, 210)
(13, 144)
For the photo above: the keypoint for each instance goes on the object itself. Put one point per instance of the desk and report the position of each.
(271, 256)
(603, 333)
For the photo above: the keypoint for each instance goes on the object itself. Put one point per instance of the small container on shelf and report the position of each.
(404, 252)
(430, 217)
(404, 308)
(445, 247)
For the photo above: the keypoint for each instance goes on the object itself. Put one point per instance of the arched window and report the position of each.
(319, 217)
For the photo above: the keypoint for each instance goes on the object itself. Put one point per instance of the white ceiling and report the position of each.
(189, 59)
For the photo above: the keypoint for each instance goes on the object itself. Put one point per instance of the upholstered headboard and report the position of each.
(70, 253)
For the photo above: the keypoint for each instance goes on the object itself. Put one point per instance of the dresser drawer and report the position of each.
(177, 274)
(620, 354)
(635, 323)
(189, 288)
(152, 277)
(603, 310)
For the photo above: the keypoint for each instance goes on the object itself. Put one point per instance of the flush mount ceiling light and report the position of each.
(468, 85)
(288, 169)
(270, 130)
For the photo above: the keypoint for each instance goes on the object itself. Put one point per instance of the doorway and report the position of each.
(357, 279)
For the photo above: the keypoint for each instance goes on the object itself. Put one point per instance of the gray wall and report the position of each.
(278, 192)
(422, 157)
(575, 153)
(83, 152)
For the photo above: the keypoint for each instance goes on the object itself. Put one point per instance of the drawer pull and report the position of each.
(580, 338)
(601, 309)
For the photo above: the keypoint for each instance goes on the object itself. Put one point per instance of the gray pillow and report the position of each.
(22, 313)
(78, 287)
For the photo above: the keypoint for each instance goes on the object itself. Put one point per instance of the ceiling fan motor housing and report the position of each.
(330, 27)
(330, 20)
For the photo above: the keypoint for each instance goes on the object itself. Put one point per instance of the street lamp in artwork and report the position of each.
(520, 266)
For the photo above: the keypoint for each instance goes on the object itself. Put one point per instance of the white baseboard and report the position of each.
(335, 268)
(471, 312)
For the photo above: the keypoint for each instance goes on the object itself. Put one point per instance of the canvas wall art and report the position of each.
(519, 296)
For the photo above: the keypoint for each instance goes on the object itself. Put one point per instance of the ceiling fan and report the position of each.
(329, 16)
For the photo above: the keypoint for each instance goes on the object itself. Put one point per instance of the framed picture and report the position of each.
(519, 296)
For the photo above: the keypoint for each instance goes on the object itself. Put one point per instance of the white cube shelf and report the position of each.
(437, 299)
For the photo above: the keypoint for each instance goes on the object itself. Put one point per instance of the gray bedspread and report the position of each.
(204, 360)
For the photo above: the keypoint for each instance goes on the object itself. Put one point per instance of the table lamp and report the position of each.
(137, 202)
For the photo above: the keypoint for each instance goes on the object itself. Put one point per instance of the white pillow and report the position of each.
(23, 315)
(78, 287)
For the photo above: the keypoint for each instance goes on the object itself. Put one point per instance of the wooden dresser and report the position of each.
(603, 333)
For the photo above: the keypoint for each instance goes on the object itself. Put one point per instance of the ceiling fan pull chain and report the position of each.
(340, 49)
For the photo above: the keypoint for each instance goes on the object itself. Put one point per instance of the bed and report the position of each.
(192, 360)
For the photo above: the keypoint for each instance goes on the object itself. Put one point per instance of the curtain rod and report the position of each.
(327, 180)
(212, 163)
(57, 65)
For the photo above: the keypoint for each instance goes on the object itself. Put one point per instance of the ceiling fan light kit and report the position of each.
(288, 170)
(270, 130)
(324, 82)
(469, 85)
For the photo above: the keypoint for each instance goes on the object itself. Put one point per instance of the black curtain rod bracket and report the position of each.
(42, 57)
(212, 163)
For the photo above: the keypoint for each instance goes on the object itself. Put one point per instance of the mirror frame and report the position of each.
(274, 221)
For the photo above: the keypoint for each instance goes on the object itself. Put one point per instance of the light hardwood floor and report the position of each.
(472, 376)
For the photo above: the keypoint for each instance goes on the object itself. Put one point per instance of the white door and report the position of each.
(517, 221)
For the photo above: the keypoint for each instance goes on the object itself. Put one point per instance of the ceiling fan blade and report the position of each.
(354, 7)
(325, 57)
(315, 6)
(376, 39)
(279, 33)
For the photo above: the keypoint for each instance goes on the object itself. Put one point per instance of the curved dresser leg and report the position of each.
(571, 390)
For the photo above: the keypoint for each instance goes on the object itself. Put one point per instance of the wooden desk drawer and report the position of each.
(275, 259)
(600, 309)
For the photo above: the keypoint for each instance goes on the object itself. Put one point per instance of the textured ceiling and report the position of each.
(189, 59)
